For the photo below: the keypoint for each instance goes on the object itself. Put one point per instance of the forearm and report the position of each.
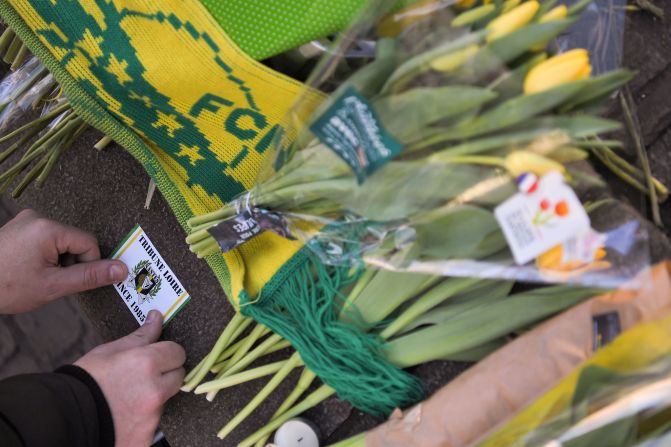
(65, 408)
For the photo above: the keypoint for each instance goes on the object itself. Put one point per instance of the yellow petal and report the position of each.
(512, 20)
(454, 60)
(519, 162)
(568, 67)
(551, 258)
(558, 13)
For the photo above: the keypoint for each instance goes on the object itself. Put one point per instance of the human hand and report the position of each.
(43, 260)
(137, 376)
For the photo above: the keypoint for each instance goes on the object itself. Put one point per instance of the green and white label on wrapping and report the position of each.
(352, 129)
(151, 284)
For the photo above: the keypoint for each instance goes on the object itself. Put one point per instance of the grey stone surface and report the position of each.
(104, 192)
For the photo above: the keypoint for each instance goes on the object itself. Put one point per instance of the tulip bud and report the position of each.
(512, 20)
(558, 13)
(454, 60)
(568, 67)
(520, 162)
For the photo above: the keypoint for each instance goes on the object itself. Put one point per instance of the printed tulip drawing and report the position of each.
(547, 212)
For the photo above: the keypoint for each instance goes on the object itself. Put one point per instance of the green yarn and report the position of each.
(304, 310)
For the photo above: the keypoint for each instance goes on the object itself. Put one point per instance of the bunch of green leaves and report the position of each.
(455, 136)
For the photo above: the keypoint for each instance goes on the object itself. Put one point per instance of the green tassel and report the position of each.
(303, 308)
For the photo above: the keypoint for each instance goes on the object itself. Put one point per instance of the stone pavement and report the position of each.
(45, 339)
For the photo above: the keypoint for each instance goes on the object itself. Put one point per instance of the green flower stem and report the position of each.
(64, 127)
(201, 234)
(40, 123)
(12, 50)
(443, 291)
(589, 144)
(221, 344)
(304, 382)
(236, 379)
(32, 174)
(191, 374)
(226, 354)
(20, 143)
(18, 167)
(220, 214)
(360, 285)
(277, 347)
(204, 226)
(211, 248)
(478, 160)
(6, 39)
(258, 332)
(103, 143)
(310, 401)
(254, 355)
(631, 169)
(55, 155)
(355, 441)
(258, 352)
(624, 176)
(294, 361)
(20, 57)
(634, 127)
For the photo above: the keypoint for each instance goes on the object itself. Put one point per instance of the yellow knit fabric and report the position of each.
(208, 112)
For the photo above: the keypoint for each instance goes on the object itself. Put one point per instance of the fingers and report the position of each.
(147, 334)
(170, 382)
(85, 276)
(77, 242)
(168, 355)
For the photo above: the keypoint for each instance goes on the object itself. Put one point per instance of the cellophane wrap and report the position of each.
(457, 110)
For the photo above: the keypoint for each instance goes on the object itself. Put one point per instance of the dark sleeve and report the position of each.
(62, 409)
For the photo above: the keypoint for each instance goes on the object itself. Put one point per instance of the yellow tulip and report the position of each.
(558, 13)
(512, 20)
(567, 67)
(520, 162)
(454, 60)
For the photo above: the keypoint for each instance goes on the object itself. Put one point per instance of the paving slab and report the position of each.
(104, 192)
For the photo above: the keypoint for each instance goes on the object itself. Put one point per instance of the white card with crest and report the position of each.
(151, 284)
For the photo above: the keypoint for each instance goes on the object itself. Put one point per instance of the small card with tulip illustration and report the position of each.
(545, 213)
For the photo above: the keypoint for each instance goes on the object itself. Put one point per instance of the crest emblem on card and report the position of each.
(145, 281)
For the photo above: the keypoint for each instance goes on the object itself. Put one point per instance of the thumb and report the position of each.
(147, 334)
(87, 276)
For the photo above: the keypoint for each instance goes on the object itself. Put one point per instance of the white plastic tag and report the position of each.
(545, 216)
(151, 284)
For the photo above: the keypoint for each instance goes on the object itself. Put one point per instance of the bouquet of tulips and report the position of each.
(472, 104)
(405, 163)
